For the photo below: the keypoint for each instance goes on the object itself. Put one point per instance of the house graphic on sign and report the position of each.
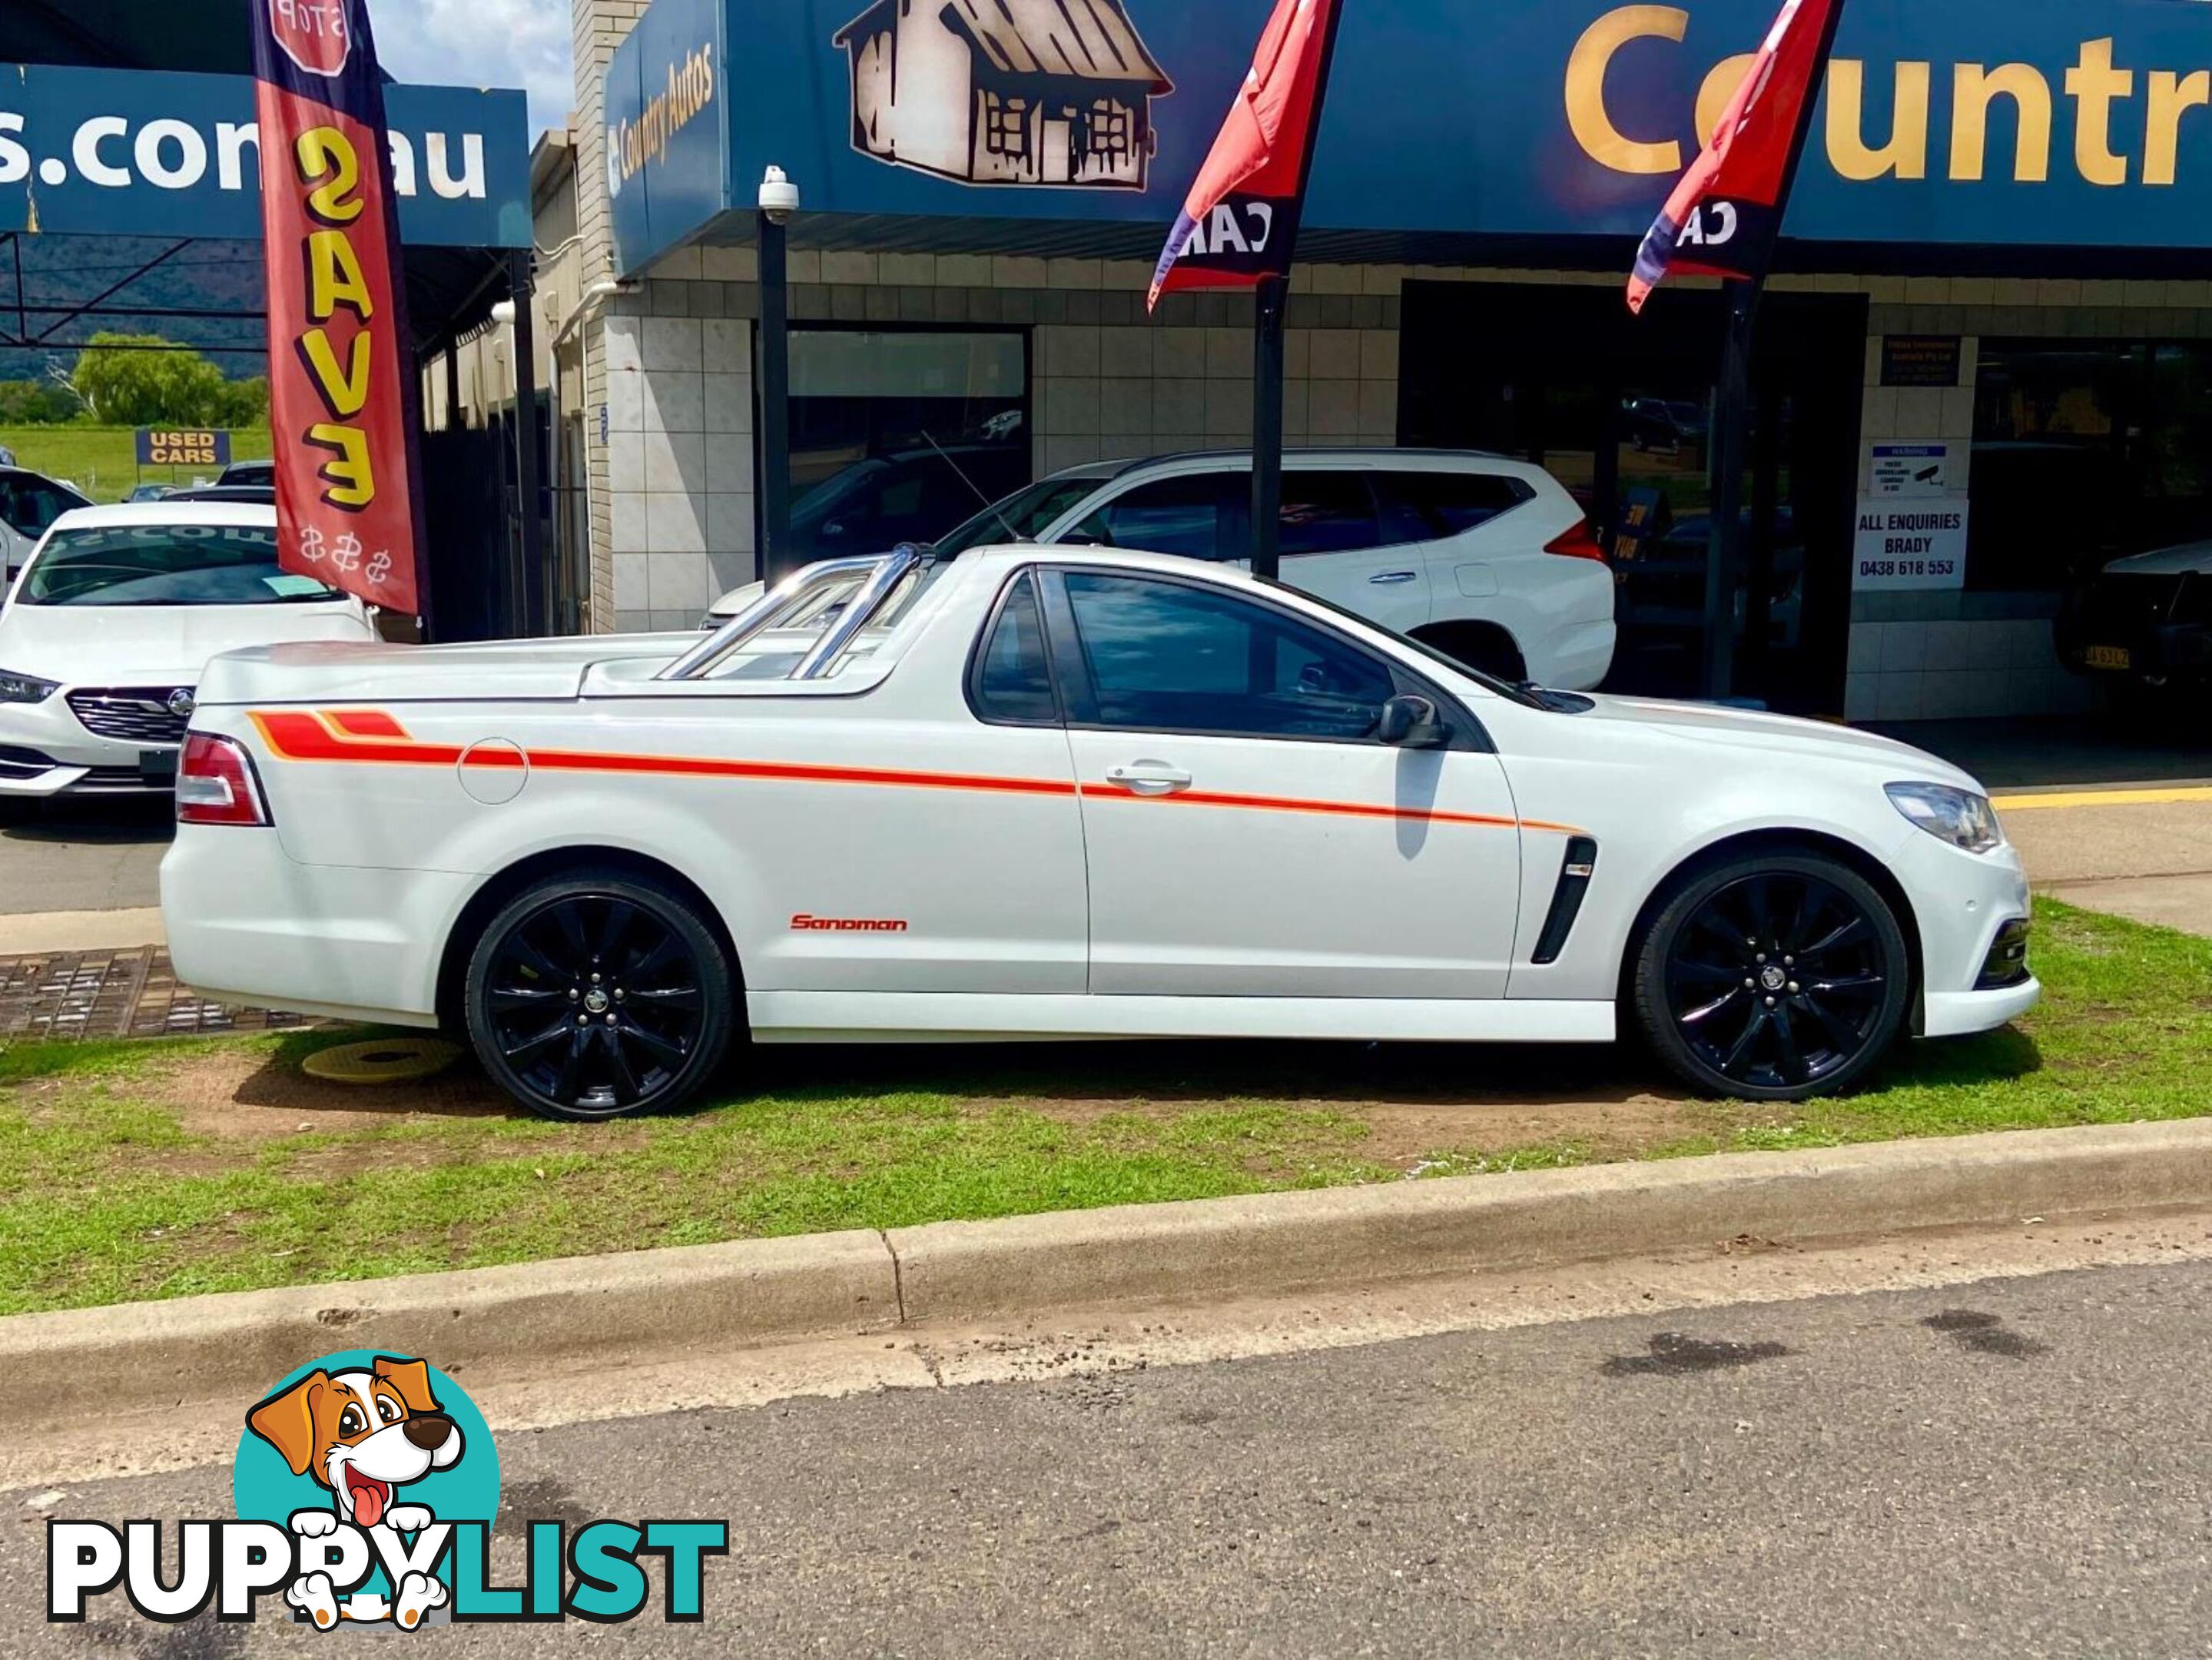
(1005, 92)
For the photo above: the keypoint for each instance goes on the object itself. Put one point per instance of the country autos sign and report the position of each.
(1988, 121)
(145, 153)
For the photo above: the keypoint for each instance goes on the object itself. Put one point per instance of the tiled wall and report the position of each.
(679, 465)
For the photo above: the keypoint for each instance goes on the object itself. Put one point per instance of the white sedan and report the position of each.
(1038, 793)
(105, 633)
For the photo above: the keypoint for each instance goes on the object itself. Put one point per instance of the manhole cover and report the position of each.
(382, 1060)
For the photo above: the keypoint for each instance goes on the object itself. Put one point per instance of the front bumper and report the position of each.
(1970, 909)
(45, 750)
(2091, 641)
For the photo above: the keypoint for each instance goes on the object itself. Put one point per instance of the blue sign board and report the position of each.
(147, 153)
(2017, 122)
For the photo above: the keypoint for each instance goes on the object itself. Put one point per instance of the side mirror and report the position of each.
(1408, 723)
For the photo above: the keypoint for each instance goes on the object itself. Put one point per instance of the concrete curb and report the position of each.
(56, 1368)
(38, 934)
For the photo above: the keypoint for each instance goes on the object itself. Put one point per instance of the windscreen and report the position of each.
(166, 565)
(1022, 517)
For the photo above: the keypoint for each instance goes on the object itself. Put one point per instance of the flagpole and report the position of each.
(1731, 440)
(1272, 302)
(1732, 420)
(1267, 428)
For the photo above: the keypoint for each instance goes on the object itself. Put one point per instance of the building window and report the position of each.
(900, 434)
(1006, 126)
(2085, 451)
(1111, 126)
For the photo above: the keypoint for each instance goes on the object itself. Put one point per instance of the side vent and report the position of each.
(1575, 873)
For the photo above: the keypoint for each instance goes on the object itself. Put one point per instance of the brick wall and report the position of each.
(599, 26)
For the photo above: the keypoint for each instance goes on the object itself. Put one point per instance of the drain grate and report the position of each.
(115, 994)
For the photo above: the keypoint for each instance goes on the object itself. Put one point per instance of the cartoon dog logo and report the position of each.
(362, 1435)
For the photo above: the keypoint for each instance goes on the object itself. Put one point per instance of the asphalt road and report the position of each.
(81, 856)
(2018, 1467)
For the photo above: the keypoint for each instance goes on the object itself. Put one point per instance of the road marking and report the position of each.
(2101, 798)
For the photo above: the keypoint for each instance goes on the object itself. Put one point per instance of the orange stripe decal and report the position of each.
(1339, 809)
(365, 723)
(372, 737)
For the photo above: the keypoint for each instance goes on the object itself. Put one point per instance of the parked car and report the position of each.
(260, 475)
(1487, 560)
(103, 636)
(1063, 793)
(30, 504)
(144, 493)
(2145, 621)
(915, 496)
(252, 494)
(1665, 424)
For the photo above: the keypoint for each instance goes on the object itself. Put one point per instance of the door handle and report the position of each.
(1148, 778)
(1394, 576)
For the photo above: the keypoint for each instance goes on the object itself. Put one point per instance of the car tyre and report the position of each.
(1772, 976)
(599, 993)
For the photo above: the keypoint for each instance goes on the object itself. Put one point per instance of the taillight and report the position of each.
(1576, 543)
(216, 783)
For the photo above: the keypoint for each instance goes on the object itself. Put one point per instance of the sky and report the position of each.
(482, 43)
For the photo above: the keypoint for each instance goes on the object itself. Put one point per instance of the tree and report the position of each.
(36, 404)
(143, 381)
(242, 403)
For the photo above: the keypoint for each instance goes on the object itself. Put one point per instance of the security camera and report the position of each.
(779, 197)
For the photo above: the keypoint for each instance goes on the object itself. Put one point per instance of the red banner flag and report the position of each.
(1240, 222)
(1725, 213)
(342, 400)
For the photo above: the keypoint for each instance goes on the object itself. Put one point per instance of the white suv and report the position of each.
(1487, 560)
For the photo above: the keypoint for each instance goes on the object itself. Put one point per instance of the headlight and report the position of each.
(25, 688)
(1958, 817)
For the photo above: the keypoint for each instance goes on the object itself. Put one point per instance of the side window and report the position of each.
(1164, 657)
(1012, 675)
(1193, 514)
(30, 509)
(1329, 513)
(1451, 503)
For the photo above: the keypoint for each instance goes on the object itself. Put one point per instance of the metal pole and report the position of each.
(1731, 427)
(776, 555)
(530, 594)
(1267, 428)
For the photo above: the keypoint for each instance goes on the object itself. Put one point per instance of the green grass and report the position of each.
(111, 1190)
(101, 460)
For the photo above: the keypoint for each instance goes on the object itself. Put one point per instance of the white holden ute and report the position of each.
(106, 630)
(1063, 793)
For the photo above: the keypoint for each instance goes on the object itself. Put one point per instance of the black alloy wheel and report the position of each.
(592, 997)
(1774, 979)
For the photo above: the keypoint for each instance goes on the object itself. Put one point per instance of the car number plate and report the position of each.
(2110, 657)
(158, 766)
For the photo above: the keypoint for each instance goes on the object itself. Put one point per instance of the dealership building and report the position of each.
(1985, 364)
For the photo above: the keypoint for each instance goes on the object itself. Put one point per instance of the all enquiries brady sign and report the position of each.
(1905, 544)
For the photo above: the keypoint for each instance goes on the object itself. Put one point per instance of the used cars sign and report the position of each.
(169, 446)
